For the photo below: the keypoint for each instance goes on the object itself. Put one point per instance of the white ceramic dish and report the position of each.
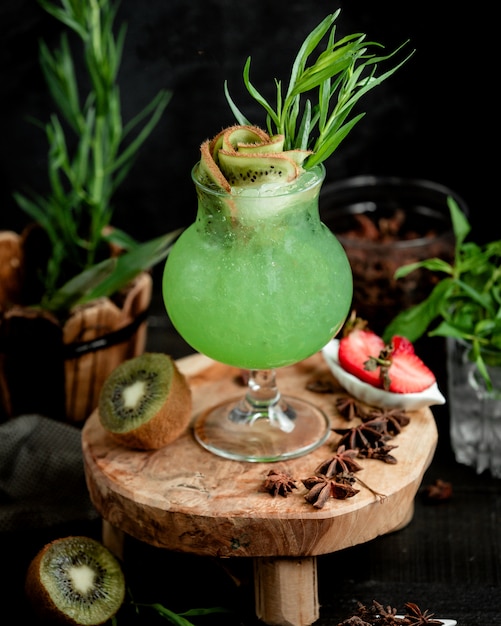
(445, 622)
(378, 397)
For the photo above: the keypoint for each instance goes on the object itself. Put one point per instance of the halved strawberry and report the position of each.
(408, 374)
(401, 344)
(355, 349)
(395, 368)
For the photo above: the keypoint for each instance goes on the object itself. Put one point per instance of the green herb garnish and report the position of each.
(339, 74)
(466, 302)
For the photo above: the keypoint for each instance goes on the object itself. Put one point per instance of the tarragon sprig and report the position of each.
(91, 151)
(339, 74)
(465, 303)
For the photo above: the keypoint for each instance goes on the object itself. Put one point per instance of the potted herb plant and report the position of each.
(465, 308)
(74, 290)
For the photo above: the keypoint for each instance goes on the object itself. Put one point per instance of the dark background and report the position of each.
(433, 119)
(437, 118)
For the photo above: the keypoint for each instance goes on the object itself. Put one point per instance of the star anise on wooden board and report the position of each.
(349, 407)
(342, 461)
(279, 483)
(321, 488)
(380, 451)
(395, 419)
(364, 435)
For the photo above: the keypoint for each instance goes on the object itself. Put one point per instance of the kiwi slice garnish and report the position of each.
(75, 580)
(248, 156)
(145, 402)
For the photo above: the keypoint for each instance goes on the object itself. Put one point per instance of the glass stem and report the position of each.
(263, 401)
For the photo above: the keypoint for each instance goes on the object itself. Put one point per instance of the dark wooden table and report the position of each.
(447, 560)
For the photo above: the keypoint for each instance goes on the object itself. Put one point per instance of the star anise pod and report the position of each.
(279, 483)
(321, 385)
(348, 407)
(416, 617)
(439, 491)
(379, 614)
(364, 435)
(321, 488)
(380, 451)
(395, 419)
(342, 461)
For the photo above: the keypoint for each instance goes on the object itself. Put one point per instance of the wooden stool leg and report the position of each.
(113, 539)
(286, 591)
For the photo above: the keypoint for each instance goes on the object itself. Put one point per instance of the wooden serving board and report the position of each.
(187, 499)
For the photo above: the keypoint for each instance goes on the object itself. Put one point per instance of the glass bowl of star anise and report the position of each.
(384, 223)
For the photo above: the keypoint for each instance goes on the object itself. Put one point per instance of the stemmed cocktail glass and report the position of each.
(259, 283)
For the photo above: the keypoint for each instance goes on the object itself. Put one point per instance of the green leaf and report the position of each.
(215, 609)
(307, 47)
(75, 291)
(329, 145)
(413, 322)
(446, 329)
(179, 618)
(108, 277)
(141, 258)
(337, 79)
(120, 238)
(460, 224)
(90, 151)
(172, 617)
(239, 116)
(258, 97)
(433, 265)
(466, 303)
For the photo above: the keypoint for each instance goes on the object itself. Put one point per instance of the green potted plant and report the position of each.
(465, 308)
(75, 289)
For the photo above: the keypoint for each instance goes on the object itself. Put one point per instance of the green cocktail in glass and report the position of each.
(258, 282)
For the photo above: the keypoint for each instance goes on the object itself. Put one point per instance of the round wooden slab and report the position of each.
(187, 499)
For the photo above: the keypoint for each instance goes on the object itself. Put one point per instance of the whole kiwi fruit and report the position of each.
(145, 402)
(75, 580)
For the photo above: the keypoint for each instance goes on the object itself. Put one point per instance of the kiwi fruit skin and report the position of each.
(44, 588)
(162, 405)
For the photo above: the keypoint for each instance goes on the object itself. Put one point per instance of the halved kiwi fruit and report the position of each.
(145, 402)
(75, 580)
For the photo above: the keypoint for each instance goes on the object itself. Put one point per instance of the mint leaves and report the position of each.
(466, 303)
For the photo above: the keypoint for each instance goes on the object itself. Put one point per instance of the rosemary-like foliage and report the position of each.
(336, 79)
(90, 153)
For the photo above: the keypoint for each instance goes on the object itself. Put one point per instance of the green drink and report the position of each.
(258, 281)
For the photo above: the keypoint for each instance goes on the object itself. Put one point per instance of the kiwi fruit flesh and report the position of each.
(255, 169)
(145, 402)
(75, 580)
(248, 156)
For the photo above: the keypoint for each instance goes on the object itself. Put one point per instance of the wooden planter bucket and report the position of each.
(58, 370)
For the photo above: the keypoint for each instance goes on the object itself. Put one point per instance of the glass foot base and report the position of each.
(296, 429)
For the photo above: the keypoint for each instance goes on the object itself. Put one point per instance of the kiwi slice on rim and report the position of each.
(145, 402)
(75, 580)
